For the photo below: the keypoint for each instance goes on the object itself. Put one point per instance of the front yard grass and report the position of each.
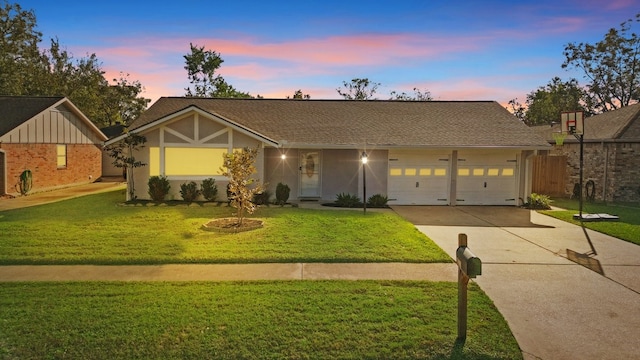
(97, 229)
(627, 228)
(257, 320)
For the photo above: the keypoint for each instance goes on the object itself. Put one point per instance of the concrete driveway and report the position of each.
(556, 308)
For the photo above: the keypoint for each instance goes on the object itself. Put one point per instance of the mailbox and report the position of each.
(470, 264)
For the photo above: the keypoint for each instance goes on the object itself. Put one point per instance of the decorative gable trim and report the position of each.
(165, 120)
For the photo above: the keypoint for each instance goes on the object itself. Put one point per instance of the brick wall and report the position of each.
(627, 173)
(614, 168)
(84, 165)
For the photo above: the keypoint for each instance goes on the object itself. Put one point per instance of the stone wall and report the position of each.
(613, 167)
(627, 173)
(84, 165)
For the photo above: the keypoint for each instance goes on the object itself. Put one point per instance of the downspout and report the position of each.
(526, 174)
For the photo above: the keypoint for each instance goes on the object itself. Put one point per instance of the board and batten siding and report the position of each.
(53, 126)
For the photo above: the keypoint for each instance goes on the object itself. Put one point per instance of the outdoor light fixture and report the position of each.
(364, 159)
(283, 156)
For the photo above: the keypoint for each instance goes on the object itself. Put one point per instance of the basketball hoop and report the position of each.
(572, 122)
(559, 138)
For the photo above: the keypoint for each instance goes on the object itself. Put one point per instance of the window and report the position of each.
(463, 172)
(478, 172)
(187, 161)
(425, 172)
(395, 172)
(493, 172)
(61, 151)
(507, 172)
(410, 172)
(440, 172)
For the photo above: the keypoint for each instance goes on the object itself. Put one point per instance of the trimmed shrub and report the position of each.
(538, 202)
(377, 201)
(282, 193)
(262, 198)
(209, 189)
(158, 188)
(347, 200)
(189, 191)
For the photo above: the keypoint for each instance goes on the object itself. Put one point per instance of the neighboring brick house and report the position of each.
(52, 139)
(611, 154)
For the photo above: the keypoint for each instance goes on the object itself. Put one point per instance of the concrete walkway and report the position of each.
(231, 272)
(555, 308)
(47, 197)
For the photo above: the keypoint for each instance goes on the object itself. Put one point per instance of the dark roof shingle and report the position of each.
(353, 123)
(610, 125)
(15, 110)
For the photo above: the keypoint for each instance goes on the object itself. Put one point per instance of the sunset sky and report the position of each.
(457, 50)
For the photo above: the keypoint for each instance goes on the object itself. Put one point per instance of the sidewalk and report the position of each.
(231, 272)
(47, 197)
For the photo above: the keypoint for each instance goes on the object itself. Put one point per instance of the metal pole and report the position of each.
(364, 182)
(581, 137)
(463, 280)
(363, 158)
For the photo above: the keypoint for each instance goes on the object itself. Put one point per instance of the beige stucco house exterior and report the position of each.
(425, 153)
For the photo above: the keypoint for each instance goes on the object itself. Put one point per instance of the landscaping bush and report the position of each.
(189, 191)
(282, 193)
(538, 202)
(158, 188)
(209, 189)
(262, 198)
(377, 201)
(347, 200)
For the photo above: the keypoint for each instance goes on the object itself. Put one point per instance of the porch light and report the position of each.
(283, 156)
(364, 159)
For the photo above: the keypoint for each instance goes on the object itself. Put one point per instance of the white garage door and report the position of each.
(487, 179)
(418, 178)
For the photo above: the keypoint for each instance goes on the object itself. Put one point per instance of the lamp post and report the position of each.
(283, 157)
(364, 180)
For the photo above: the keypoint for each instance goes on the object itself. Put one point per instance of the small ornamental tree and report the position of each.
(123, 152)
(239, 166)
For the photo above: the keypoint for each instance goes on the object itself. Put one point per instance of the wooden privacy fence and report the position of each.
(549, 175)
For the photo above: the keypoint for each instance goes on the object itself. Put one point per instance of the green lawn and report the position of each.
(97, 229)
(627, 228)
(261, 320)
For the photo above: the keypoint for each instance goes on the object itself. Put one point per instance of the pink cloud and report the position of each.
(367, 49)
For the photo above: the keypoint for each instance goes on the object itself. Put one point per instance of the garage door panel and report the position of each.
(487, 179)
(418, 178)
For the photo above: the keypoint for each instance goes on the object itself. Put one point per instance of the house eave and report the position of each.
(234, 125)
(408, 146)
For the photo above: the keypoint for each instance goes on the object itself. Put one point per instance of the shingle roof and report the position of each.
(606, 126)
(15, 110)
(352, 123)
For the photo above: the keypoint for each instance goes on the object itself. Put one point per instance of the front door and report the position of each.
(310, 173)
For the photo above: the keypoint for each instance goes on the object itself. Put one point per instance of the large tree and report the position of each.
(27, 71)
(358, 89)
(544, 105)
(201, 66)
(21, 62)
(611, 66)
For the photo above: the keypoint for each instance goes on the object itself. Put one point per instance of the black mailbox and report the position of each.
(470, 264)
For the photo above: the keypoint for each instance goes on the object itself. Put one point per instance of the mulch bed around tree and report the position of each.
(231, 225)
